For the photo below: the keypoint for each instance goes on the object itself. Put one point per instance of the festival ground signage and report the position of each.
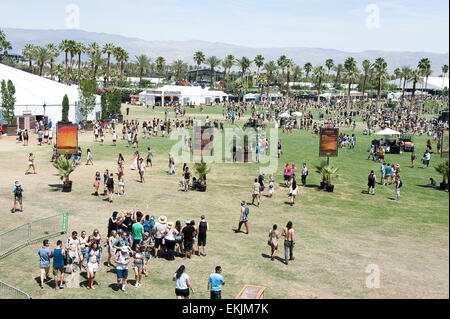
(328, 142)
(66, 138)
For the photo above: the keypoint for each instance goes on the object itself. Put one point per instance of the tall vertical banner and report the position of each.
(66, 138)
(444, 143)
(329, 138)
(203, 137)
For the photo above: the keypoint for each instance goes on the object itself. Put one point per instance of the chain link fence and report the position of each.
(9, 292)
(28, 233)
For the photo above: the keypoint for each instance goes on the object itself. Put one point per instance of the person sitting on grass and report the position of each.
(432, 183)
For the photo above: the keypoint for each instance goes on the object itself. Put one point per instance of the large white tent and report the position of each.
(40, 97)
(185, 95)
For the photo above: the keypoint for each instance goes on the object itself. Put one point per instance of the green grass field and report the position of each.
(337, 234)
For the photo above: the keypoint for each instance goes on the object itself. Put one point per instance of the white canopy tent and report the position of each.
(387, 132)
(40, 97)
(284, 115)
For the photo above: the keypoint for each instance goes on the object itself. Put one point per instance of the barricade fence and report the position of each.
(9, 292)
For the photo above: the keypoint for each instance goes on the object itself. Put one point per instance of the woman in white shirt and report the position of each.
(182, 283)
(170, 234)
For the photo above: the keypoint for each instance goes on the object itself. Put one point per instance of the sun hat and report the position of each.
(124, 249)
(146, 233)
(170, 225)
(188, 222)
(162, 219)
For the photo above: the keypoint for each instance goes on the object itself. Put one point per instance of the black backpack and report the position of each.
(18, 190)
(400, 184)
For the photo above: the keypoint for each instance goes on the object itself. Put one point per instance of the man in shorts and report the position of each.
(160, 226)
(122, 258)
(44, 261)
(188, 235)
(73, 250)
(215, 283)
(59, 256)
(17, 190)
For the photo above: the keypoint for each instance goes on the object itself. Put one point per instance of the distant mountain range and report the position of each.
(184, 50)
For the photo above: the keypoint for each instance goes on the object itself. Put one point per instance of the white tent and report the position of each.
(284, 115)
(40, 97)
(297, 113)
(387, 131)
(185, 95)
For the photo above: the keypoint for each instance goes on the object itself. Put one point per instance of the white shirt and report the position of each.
(181, 283)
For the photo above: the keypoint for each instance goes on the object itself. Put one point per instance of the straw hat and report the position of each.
(162, 219)
(124, 249)
(170, 225)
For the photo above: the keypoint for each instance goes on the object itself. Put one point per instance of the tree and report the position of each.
(270, 67)
(339, 69)
(65, 168)
(212, 61)
(64, 46)
(122, 57)
(424, 66)
(88, 94)
(8, 100)
(416, 76)
(259, 61)
(143, 63)
(296, 73)
(444, 72)
(397, 75)
(244, 64)
(179, 68)
(65, 109)
(199, 57)
(42, 56)
(329, 63)
(53, 52)
(380, 71)
(79, 49)
(28, 53)
(366, 70)
(227, 64)
(289, 64)
(406, 72)
(95, 57)
(319, 73)
(281, 62)
(108, 49)
(308, 68)
(350, 74)
(160, 66)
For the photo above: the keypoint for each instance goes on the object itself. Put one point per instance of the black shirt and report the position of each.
(188, 233)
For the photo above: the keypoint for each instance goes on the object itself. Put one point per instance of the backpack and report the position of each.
(400, 184)
(247, 211)
(18, 190)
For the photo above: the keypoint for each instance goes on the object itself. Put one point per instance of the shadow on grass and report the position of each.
(115, 286)
(276, 258)
(56, 187)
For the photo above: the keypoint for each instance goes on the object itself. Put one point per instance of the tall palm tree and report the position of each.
(366, 70)
(398, 75)
(160, 66)
(270, 67)
(338, 69)
(28, 53)
(64, 46)
(406, 73)
(329, 63)
(281, 62)
(79, 49)
(72, 51)
(199, 58)
(289, 65)
(244, 64)
(380, 71)
(227, 64)
(308, 68)
(350, 73)
(424, 66)
(213, 62)
(319, 73)
(5, 46)
(415, 77)
(53, 52)
(296, 73)
(42, 56)
(179, 68)
(444, 72)
(108, 49)
(122, 57)
(259, 61)
(94, 54)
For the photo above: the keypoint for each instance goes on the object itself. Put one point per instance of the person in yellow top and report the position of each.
(382, 152)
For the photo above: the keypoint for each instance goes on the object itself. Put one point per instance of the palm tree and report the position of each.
(281, 62)
(319, 73)
(329, 63)
(259, 61)
(289, 64)
(227, 64)
(338, 69)
(59, 72)
(406, 72)
(424, 66)
(380, 71)
(270, 67)
(28, 52)
(5, 45)
(296, 73)
(350, 74)
(94, 53)
(42, 56)
(366, 69)
(199, 57)
(72, 51)
(416, 76)
(444, 71)
(64, 46)
(398, 75)
(179, 67)
(122, 57)
(212, 61)
(160, 65)
(79, 49)
(308, 68)
(244, 64)
(53, 52)
(108, 49)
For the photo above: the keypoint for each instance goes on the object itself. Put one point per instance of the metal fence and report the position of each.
(32, 231)
(9, 292)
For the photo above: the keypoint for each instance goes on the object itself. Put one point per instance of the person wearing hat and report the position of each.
(122, 258)
(170, 234)
(146, 245)
(160, 226)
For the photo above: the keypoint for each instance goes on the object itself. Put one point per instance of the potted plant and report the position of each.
(330, 172)
(321, 171)
(202, 169)
(65, 168)
(443, 169)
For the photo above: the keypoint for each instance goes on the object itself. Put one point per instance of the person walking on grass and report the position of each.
(413, 159)
(289, 243)
(271, 185)
(110, 243)
(141, 169)
(304, 174)
(245, 211)
(97, 183)
(372, 179)
(182, 283)
(274, 235)
(122, 258)
(149, 157)
(256, 188)
(30, 164)
(293, 191)
(215, 283)
(398, 184)
(114, 138)
(92, 263)
(44, 254)
(17, 191)
(59, 255)
(138, 265)
(89, 157)
(110, 187)
(203, 228)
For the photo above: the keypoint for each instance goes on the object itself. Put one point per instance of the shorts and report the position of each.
(202, 240)
(58, 269)
(158, 242)
(18, 199)
(182, 292)
(138, 264)
(135, 243)
(216, 295)
(188, 245)
(398, 191)
(39, 139)
(122, 273)
(371, 184)
(72, 257)
(92, 267)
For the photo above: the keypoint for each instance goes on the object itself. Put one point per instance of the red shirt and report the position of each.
(287, 171)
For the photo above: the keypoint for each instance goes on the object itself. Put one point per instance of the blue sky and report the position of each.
(413, 25)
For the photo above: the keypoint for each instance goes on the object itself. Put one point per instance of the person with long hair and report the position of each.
(89, 157)
(30, 164)
(182, 283)
(97, 183)
(120, 185)
(274, 235)
(293, 191)
(92, 262)
(110, 242)
(120, 164)
(289, 243)
(138, 264)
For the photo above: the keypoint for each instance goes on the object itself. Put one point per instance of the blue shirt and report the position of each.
(388, 170)
(44, 257)
(216, 281)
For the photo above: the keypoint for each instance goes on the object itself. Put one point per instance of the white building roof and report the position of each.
(183, 90)
(434, 83)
